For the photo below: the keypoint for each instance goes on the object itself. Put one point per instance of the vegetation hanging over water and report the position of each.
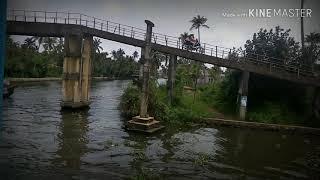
(43, 57)
(183, 112)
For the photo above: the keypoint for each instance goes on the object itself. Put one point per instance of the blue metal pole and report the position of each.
(3, 20)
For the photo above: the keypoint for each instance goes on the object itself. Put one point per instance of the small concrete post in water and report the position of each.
(144, 122)
(171, 77)
(243, 94)
(76, 71)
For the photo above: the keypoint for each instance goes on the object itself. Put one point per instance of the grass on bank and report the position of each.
(183, 111)
(213, 100)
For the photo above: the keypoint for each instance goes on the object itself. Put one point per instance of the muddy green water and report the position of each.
(38, 141)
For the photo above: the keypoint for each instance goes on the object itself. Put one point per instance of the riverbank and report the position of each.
(263, 126)
(189, 109)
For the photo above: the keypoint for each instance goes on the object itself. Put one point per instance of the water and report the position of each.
(39, 141)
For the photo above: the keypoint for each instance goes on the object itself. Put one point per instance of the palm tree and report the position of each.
(184, 36)
(135, 55)
(114, 54)
(313, 48)
(59, 46)
(49, 43)
(39, 39)
(197, 22)
(30, 44)
(119, 55)
(96, 45)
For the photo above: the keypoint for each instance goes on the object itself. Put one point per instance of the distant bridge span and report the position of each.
(58, 24)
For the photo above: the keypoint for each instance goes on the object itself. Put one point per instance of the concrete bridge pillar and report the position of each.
(141, 64)
(144, 122)
(146, 71)
(76, 77)
(171, 76)
(243, 94)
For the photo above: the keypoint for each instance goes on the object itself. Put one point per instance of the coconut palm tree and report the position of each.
(182, 37)
(135, 55)
(39, 39)
(30, 44)
(119, 56)
(197, 22)
(312, 49)
(96, 45)
(49, 43)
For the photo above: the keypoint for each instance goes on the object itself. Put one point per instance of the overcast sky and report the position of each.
(172, 16)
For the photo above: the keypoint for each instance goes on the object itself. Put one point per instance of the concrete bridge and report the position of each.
(79, 29)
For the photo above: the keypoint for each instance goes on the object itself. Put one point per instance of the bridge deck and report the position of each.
(134, 36)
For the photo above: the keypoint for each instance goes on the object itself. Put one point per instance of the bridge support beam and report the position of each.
(171, 77)
(243, 94)
(76, 77)
(144, 122)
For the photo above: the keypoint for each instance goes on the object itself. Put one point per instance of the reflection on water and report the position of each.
(39, 140)
(72, 138)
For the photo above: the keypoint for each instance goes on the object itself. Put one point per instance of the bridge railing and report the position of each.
(229, 54)
(77, 19)
(137, 33)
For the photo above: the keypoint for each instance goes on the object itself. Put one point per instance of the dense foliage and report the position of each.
(43, 57)
(26, 61)
(182, 113)
(270, 100)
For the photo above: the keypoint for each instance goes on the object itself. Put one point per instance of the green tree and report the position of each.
(197, 22)
(135, 55)
(97, 48)
(49, 43)
(30, 44)
(275, 43)
(268, 95)
(312, 48)
(120, 58)
(215, 73)
(39, 40)
(26, 61)
(183, 37)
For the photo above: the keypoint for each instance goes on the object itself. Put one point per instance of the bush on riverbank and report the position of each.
(269, 100)
(183, 111)
(220, 96)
